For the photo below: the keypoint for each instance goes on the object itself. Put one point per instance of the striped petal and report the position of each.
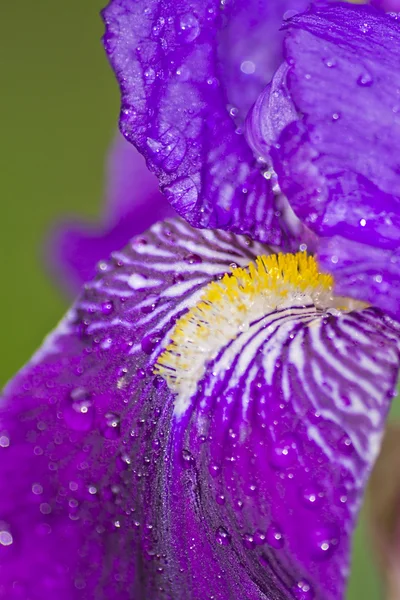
(112, 485)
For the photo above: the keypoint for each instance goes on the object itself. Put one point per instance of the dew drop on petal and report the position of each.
(150, 342)
(107, 308)
(111, 426)
(249, 541)
(330, 62)
(188, 459)
(274, 536)
(78, 410)
(193, 259)
(248, 67)
(214, 470)
(6, 539)
(365, 79)
(365, 27)
(4, 441)
(312, 496)
(303, 591)
(260, 538)
(284, 452)
(289, 14)
(324, 541)
(345, 445)
(222, 536)
(189, 27)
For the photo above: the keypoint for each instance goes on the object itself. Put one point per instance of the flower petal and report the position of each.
(75, 248)
(288, 421)
(75, 421)
(363, 272)
(108, 491)
(250, 47)
(338, 165)
(174, 110)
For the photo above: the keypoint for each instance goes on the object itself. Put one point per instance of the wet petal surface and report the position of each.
(108, 490)
(337, 163)
(175, 111)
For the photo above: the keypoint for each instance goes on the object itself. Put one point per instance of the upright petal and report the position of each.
(338, 163)
(112, 485)
(174, 110)
(250, 47)
(75, 248)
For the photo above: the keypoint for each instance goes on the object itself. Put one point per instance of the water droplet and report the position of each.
(345, 446)
(150, 342)
(365, 80)
(303, 591)
(188, 459)
(335, 116)
(220, 499)
(4, 441)
(284, 452)
(37, 489)
(107, 308)
(111, 427)
(214, 470)
(289, 14)
(330, 62)
(260, 538)
(250, 489)
(45, 508)
(324, 542)
(274, 536)
(365, 27)
(223, 537)
(149, 75)
(248, 541)
(193, 259)
(248, 67)
(79, 411)
(189, 26)
(183, 72)
(6, 539)
(312, 496)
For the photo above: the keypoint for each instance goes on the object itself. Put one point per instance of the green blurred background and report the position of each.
(59, 105)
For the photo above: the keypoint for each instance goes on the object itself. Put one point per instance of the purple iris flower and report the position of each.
(203, 421)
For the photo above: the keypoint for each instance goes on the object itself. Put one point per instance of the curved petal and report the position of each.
(338, 165)
(75, 248)
(363, 272)
(74, 422)
(174, 110)
(250, 48)
(109, 490)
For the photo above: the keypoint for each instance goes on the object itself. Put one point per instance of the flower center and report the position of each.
(230, 306)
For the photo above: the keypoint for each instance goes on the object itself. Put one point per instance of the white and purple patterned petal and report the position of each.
(107, 490)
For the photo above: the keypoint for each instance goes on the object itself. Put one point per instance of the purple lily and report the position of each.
(203, 421)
